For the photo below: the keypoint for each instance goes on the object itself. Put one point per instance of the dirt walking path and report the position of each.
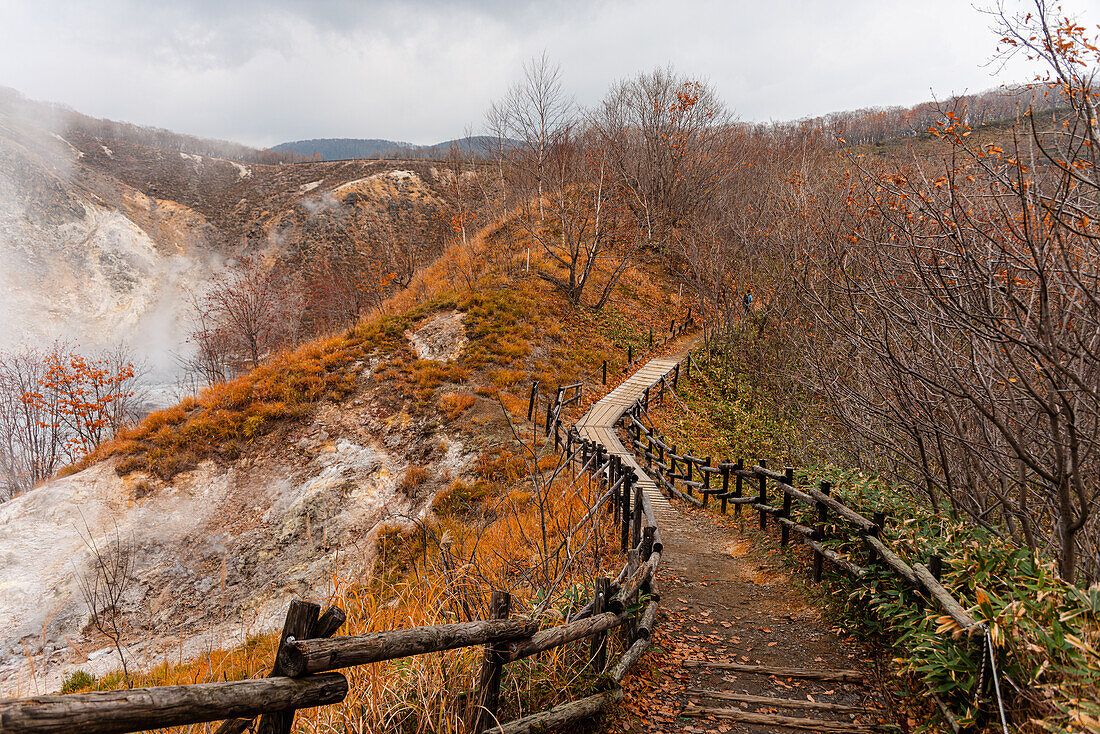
(738, 648)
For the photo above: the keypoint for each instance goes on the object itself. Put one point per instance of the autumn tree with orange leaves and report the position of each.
(962, 309)
(57, 406)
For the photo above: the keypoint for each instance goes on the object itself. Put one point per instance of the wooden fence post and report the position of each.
(531, 402)
(616, 496)
(488, 687)
(819, 529)
(648, 533)
(687, 366)
(549, 417)
(762, 495)
(876, 532)
(647, 400)
(633, 563)
(672, 468)
(690, 466)
(605, 372)
(651, 336)
(300, 619)
(625, 518)
(630, 354)
(725, 483)
(785, 533)
(638, 513)
(598, 646)
(676, 376)
(739, 467)
(706, 483)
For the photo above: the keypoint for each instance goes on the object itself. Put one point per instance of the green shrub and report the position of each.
(78, 680)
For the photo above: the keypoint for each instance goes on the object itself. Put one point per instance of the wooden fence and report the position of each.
(303, 674)
(698, 480)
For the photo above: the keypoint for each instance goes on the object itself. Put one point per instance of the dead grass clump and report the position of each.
(455, 404)
(505, 378)
(414, 476)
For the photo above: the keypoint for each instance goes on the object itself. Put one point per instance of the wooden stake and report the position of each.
(300, 619)
(762, 495)
(598, 647)
(488, 689)
(785, 533)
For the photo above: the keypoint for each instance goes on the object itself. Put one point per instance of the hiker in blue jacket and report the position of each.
(748, 301)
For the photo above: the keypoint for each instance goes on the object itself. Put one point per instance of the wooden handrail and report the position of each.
(138, 709)
(302, 676)
(558, 635)
(303, 657)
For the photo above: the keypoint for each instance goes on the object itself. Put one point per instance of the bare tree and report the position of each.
(30, 430)
(964, 319)
(536, 111)
(667, 139)
(253, 309)
(103, 587)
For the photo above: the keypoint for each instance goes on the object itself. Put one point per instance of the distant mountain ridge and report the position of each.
(343, 149)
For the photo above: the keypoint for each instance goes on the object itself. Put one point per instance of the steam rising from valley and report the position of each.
(75, 265)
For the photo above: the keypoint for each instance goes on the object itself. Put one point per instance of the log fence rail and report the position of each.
(695, 480)
(303, 674)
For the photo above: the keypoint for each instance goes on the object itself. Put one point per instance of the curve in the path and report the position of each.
(598, 424)
(735, 628)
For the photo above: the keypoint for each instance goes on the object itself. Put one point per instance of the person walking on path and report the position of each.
(748, 302)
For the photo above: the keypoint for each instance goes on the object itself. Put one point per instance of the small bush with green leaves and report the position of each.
(78, 680)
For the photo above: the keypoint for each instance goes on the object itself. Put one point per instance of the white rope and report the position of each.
(996, 681)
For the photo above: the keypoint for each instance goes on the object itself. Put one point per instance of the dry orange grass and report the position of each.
(522, 538)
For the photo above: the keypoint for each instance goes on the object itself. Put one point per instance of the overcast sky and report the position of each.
(267, 71)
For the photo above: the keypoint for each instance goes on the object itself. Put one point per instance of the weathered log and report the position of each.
(563, 633)
(798, 494)
(634, 582)
(792, 722)
(303, 657)
(943, 596)
(834, 558)
(560, 716)
(840, 676)
(769, 509)
(139, 709)
(632, 655)
(735, 500)
(687, 498)
(891, 559)
(790, 703)
(648, 621)
(800, 529)
(759, 470)
(841, 509)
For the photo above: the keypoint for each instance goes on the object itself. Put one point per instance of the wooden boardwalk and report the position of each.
(746, 653)
(598, 425)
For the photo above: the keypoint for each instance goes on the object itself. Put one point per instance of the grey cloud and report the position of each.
(265, 71)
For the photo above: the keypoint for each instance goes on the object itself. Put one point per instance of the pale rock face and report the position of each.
(218, 552)
(441, 338)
